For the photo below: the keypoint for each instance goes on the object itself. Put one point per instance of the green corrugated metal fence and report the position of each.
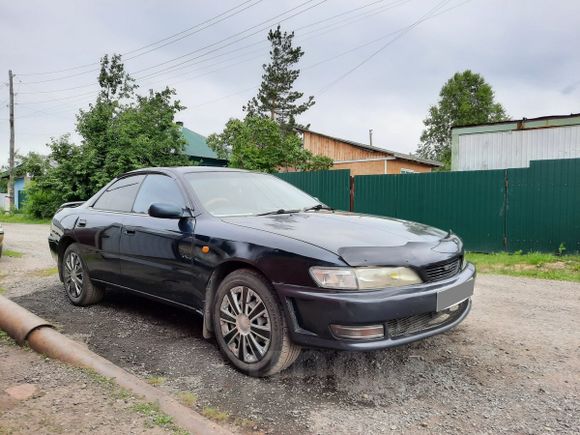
(330, 187)
(528, 209)
(469, 203)
(543, 206)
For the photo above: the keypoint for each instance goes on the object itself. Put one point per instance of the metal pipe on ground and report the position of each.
(23, 326)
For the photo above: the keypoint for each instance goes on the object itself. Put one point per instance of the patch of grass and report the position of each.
(44, 273)
(5, 338)
(98, 378)
(215, 414)
(18, 218)
(155, 380)
(123, 394)
(532, 265)
(187, 398)
(245, 423)
(156, 417)
(11, 253)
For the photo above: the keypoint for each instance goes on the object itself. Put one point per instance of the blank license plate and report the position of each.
(454, 295)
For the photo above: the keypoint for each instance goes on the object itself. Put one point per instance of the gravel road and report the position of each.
(512, 367)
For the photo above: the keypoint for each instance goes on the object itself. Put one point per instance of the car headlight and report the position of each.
(364, 278)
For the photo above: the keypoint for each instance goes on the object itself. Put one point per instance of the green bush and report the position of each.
(41, 203)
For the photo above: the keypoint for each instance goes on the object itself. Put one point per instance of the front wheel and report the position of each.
(250, 327)
(77, 284)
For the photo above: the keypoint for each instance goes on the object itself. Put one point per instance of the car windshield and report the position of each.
(246, 193)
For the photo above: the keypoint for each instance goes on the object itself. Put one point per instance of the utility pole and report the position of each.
(10, 200)
(370, 136)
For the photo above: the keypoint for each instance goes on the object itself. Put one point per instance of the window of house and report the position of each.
(407, 171)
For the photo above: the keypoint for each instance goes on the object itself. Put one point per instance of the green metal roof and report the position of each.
(196, 145)
(520, 124)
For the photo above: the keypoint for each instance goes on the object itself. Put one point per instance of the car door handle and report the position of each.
(82, 222)
(129, 231)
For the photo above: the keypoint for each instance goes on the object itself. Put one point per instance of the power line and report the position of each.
(222, 98)
(52, 100)
(402, 31)
(313, 34)
(376, 52)
(193, 33)
(343, 23)
(333, 17)
(148, 45)
(187, 64)
(238, 34)
(202, 48)
(429, 15)
(380, 38)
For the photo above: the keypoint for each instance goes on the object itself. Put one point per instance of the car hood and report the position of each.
(361, 240)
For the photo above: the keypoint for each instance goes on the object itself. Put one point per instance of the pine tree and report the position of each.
(276, 98)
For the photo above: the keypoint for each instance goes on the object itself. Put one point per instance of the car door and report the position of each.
(156, 253)
(98, 228)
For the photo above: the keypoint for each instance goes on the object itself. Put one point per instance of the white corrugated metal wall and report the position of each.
(515, 149)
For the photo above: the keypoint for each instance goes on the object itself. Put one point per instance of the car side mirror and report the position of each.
(165, 211)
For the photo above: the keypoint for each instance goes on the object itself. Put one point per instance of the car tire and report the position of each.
(242, 337)
(77, 283)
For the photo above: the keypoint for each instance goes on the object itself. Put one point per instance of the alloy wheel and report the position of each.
(245, 324)
(73, 275)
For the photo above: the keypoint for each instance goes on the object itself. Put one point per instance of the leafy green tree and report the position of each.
(120, 131)
(33, 164)
(276, 97)
(123, 131)
(62, 181)
(259, 144)
(465, 99)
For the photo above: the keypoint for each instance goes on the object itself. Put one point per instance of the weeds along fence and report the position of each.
(527, 209)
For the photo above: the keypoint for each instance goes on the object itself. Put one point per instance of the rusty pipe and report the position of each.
(24, 326)
(17, 321)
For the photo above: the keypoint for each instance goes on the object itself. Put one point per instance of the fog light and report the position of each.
(367, 332)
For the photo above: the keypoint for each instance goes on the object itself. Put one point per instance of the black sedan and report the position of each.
(270, 268)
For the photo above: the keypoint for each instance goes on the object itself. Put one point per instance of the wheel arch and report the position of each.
(217, 276)
(63, 244)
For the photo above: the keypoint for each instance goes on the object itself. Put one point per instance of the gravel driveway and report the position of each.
(512, 366)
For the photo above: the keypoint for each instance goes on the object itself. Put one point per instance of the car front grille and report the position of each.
(442, 270)
(412, 325)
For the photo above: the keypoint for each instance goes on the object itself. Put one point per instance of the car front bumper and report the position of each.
(407, 313)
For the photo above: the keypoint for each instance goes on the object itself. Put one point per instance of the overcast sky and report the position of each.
(527, 50)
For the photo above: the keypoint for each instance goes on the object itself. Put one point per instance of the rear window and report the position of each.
(120, 195)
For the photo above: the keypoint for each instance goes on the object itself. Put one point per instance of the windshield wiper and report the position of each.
(279, 211)
(319, 207)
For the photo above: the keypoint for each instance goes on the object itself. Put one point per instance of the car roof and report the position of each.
(179, 170)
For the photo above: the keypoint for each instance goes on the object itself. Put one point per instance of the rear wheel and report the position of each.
(250, 327)
(77, 284)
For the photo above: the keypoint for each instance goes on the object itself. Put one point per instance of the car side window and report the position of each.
(120, 195)
(158, 189)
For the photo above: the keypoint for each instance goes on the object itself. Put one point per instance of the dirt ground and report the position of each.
(48, 397)
(513, 366)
